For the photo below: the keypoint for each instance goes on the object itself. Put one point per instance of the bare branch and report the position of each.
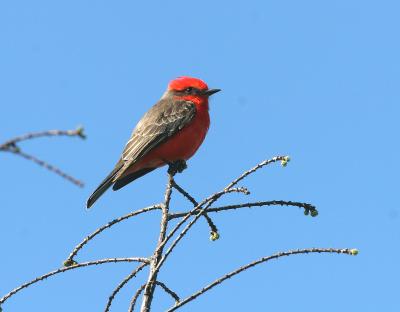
(184, 193)
(308, 208)
(213, 227)
(160, 255)
(252, 264)
(208, 201)
(79, 132)
(135, 298)
(11, 146)
(283, 159)
(228, 189)
(140, 290)
(47, 166)
(200, 211)
(150, 285)
(106, 226)
(122, 284)
(72, 267)
(168, 291)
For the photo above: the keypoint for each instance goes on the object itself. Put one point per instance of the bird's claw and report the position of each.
(177, 167)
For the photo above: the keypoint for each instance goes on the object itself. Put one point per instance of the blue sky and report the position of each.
(316, 80)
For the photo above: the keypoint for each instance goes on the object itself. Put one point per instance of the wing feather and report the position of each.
(162, 121)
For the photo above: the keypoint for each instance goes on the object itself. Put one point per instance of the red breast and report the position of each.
(181, 145)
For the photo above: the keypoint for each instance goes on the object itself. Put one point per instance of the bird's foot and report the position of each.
(177, 167)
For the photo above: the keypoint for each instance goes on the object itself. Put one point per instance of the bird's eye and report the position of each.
(189, 90)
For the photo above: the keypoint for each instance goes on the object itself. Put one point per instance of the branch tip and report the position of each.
(80, 131)
(352, 252)
(214, 236)
(244, 190)
(312, 212)
(241, 189)
(285, 161)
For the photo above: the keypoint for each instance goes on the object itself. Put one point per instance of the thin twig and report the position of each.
(199, 211)
(211, 224)
(213, 198)
(307, 207)
(252, 264)
(108, 225)
(209, 201)
(48, 166)
(12, 147)
(139, 291)
(168, 291)
(159, 256)
(135, 298)
(283, 159)
(79, 132)
(122, 284)
(72, 267)
(184, 192)
(198, 208)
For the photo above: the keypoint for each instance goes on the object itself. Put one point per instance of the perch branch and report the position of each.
(209, 201)
(150, 285)
(160, 255)
(213, 198)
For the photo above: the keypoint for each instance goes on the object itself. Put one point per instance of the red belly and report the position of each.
(181, 146)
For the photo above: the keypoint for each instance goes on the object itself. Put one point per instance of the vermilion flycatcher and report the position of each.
(172, 130)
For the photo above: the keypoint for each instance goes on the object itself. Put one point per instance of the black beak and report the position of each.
(211, 91)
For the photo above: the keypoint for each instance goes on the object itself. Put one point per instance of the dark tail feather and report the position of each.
(121, 182)
(104, 186)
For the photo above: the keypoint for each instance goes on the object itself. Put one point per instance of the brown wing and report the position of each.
(162, 121)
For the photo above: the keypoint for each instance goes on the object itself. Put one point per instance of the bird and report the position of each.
(169, 133)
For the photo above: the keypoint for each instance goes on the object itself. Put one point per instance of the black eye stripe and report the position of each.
(189, 90)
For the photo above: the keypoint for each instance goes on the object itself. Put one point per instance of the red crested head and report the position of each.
(189, 88)
(182, 83)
